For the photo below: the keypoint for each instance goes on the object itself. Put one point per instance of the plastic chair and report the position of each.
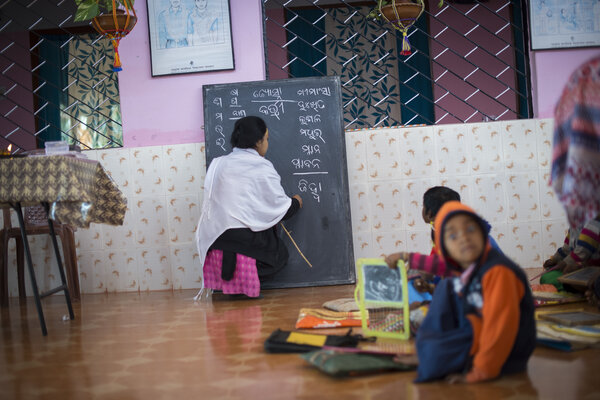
(36, 223)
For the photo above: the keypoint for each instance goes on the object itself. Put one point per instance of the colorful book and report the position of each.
(321, 318)
(552, 298)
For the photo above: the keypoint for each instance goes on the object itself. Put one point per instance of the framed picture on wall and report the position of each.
(188, 36)
(558, 24)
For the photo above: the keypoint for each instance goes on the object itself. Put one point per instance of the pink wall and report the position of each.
(168, 109)
(550, 70)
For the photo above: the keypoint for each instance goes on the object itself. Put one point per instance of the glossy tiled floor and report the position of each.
(162, 345)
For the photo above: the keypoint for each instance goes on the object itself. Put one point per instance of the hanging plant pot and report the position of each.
(115, 26)
(106, 22)
(406, 10)
(402, 14)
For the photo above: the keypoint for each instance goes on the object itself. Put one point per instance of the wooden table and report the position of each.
(74, 191)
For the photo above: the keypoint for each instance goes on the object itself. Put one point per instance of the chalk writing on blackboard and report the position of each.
(311, 149)
(270, 92)
(238, 114)
(300, 163)
(381, 283)
(274, 109)
(325, 91)
(221, 143)
(313, 134)
(311, 173)
(314, 188)
(309, 119)
(315, 105)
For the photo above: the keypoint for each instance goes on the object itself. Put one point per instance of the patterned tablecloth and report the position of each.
(79, 191)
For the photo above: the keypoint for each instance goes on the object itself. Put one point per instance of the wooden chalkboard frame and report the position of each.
(339, 268)
(572, 318)
(581, 277)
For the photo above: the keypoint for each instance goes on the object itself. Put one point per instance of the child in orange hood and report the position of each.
(480, 324)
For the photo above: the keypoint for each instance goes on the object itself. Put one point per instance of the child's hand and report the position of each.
(549, 263)
(392, 259)
(592, 298)
(422, 286)
(572, 268)
(565, 268)
(590, 293)
(456, 378)
(560, 266)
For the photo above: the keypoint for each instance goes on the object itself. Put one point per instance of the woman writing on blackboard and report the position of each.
(244, 201)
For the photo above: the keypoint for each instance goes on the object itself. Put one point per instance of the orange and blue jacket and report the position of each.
(499, 307)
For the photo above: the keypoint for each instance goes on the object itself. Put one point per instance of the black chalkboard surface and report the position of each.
(382, 283)
(307, 148)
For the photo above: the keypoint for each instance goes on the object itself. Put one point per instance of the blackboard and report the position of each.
(307, 148)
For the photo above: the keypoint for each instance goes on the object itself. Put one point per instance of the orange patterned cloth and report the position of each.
(320, 318)
(544, 287)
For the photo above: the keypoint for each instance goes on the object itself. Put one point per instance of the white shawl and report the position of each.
(241, 190)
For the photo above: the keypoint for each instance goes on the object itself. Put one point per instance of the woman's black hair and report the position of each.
(435, 197)
(247, 132)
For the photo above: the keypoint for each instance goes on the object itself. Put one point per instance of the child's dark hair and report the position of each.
(435, 197)
(247, 132)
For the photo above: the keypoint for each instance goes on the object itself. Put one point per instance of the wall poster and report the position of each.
(559, 24)
(189, 36)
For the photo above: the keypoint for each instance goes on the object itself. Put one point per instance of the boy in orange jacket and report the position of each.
(480, 324)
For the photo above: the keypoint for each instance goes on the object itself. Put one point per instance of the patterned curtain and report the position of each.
(92, 117)
(380, 89)
(368, 83)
